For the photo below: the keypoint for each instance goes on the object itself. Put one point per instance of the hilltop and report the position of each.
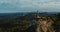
(21, 21)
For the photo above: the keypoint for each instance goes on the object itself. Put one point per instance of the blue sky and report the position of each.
(7, 6)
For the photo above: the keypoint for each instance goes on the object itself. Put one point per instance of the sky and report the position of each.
(8, 6)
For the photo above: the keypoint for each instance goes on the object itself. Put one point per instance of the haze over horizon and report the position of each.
(8, 6)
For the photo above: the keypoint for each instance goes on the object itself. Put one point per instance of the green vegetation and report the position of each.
(11, 24)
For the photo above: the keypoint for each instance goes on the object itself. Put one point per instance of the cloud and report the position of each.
(29, 5)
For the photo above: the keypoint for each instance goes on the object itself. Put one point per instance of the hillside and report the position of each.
(19, 22)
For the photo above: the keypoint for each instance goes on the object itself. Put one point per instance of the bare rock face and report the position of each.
(44, 24)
